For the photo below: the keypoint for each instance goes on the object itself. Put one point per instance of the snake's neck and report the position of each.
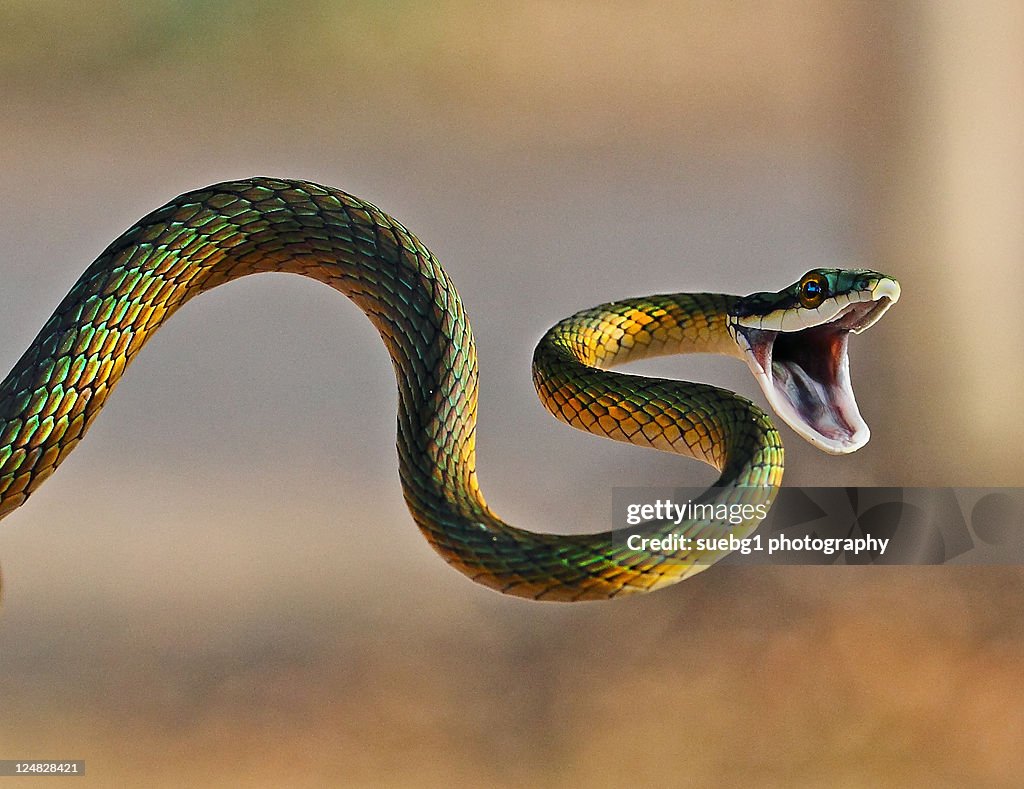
(624, 331)
(718, 427)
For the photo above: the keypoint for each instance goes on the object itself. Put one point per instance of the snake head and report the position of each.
(795, 342)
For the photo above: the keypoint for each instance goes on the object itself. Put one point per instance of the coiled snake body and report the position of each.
(794, 341)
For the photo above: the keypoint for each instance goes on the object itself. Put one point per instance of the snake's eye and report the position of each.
(813, 290)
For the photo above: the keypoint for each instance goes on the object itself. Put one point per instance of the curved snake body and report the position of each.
(214, 235)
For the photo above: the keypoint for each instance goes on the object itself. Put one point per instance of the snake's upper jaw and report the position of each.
(805, 372)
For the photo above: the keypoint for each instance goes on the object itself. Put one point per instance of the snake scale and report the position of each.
(793, 340)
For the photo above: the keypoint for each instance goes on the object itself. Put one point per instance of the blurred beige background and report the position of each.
(222, 583)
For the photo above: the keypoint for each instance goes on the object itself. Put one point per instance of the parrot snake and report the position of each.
(794, 341)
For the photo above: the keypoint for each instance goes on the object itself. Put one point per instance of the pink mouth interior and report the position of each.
(806, 376)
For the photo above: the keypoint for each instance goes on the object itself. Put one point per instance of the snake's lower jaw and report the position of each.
(805, 375)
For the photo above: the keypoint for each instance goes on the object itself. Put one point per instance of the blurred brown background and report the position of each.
(222, 584)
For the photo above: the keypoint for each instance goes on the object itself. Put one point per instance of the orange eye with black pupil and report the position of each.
(813, 291)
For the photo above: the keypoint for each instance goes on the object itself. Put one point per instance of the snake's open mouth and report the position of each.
(805, 372)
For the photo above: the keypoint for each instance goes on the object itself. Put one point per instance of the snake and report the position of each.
(794, 341)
